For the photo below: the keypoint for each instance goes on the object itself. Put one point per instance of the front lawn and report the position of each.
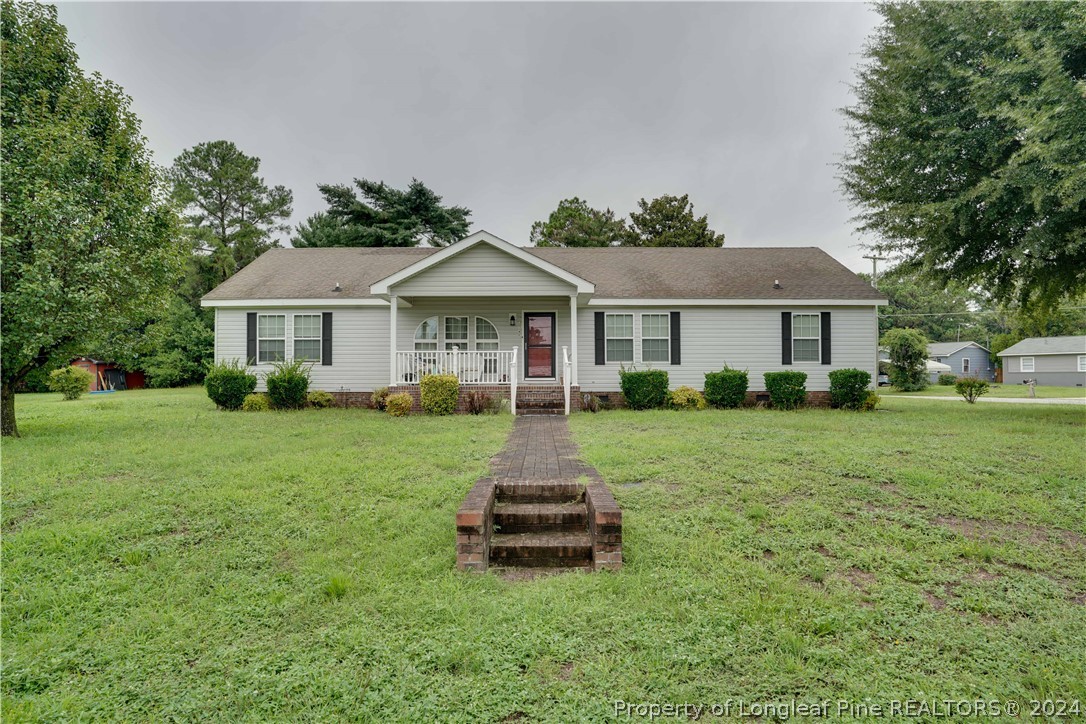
(994, 390)
(162, 559)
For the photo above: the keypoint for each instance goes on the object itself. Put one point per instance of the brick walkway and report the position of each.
(540, 448)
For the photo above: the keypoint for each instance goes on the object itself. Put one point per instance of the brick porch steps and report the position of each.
(540, 517)
(561, 549)
(542, 509)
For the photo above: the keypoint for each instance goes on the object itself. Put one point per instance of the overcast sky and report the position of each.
(507, 109)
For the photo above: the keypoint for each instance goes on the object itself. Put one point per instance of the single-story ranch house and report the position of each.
(1057, 361)
(966, 359)
(537, 325)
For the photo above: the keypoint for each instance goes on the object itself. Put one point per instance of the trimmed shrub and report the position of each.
(377, 399)
(871, 402)
(947, 380)
(727, 388)
(320, 399)
(399, 404)
(288, 385)
(256, 402)
(438, 394)
(71, 381)
(477, 401)
(590, 403)
(848, 388)
(970, 388)
(644, 389)
(227, 384)
(787, 390)
(687, 398)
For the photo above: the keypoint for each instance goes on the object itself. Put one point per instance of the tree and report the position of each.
(575, 223)
(968, 156)
(670, 221)
(908, 350)
(941, 311)
(385, 216)
(323, 229)
(179, 347)
(230, 214)
(87, 232)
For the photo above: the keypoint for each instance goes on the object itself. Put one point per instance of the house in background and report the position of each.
(540, 326)
(1056, 361)
(109, 376)
(966, 359)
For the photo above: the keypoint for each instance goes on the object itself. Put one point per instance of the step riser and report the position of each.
(510, 492)
(541, 562)
(540, 498)
(568, 523)
(532, 555)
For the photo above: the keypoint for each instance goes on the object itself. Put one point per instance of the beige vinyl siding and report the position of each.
(482, 271)
(359, 346)
(742, 337)
(495, 310)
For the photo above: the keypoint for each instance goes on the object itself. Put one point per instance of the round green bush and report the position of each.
(848, 388)
(787, 390)
(377, 399)
(687, 398)
(321, 399)
(644, 389)
(947, 380)
(71, 381)
(228, 383)
(399, 404)
(438, 394)
(727, 388)
(970, 388)
(256, 402)
(288, 385)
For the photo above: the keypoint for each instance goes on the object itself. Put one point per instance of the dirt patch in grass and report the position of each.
(1021, 532)
(768, 554)
(934, 601)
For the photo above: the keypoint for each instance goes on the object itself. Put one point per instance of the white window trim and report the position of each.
(319, 337)
(463, 344)
(415, 341)
(473, 331)
(818, 337)
(965, 365)
(1082, 363)
(632, 337)
(260, 339)
(1022, 364)
(641, 332)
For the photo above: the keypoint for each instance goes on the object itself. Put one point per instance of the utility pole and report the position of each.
(875, 259)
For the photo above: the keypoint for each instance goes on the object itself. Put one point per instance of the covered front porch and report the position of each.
(523, 346)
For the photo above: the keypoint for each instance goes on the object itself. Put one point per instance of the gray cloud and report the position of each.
(507, 108)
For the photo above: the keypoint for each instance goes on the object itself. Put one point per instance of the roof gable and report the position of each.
(945, 349)
(1047, 345)
(385, 287)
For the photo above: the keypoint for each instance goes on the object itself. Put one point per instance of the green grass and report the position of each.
(165, 560)
(995, 390)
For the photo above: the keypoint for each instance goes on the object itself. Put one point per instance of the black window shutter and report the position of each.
(676, 342)
(326, 338)
(825, 338)
(786, 338)
(250, 339)
(601, 346)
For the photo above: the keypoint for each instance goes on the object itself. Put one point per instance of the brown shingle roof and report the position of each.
(617, 272)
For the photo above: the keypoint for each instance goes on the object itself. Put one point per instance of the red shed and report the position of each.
(107, 375)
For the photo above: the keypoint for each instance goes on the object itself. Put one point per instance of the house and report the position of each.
(541, 325)
(108, 375)
(966, 359)
(1058, 361)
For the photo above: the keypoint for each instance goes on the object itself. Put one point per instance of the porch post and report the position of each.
(573, 337)
(393, 301)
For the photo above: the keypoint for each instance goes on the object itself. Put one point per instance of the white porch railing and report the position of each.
(513, 383)
(566, 368)
(495, 367)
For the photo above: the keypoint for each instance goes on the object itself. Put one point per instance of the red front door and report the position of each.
(539, 344)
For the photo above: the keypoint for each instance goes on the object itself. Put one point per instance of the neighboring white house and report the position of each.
(1057, 361)
(565, 321)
